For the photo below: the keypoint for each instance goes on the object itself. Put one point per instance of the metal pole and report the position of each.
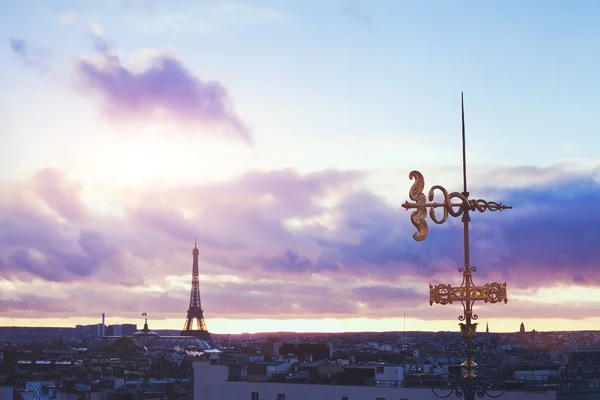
(470, 370)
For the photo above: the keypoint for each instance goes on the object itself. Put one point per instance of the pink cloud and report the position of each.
(49, 234)
(61, 195)
(165, 87)
(165, 90)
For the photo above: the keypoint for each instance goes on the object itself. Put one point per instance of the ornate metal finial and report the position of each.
(449, 208)
(457, 204)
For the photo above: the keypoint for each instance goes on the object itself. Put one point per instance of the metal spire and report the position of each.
(464, 146)
(457, 204)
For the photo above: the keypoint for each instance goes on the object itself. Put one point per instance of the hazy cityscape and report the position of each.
(299, 200)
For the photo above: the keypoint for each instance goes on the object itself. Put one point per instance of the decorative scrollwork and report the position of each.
(456, 350)
(470, 389)
(468, 331)
(418, 216)
(487, 382)
(477, 379)
(448, 387)
(447, 205)
(456, 209)
(477, 348)
(448, 294)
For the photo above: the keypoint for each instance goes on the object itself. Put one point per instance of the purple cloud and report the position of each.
(380, 296)
(32, 57)
(231, 300)
(366, 254)
(37, 244)
(18, 46)
(60, 194)
(166, 88)
(291, 261)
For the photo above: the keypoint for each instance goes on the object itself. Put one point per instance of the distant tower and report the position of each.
(195, 310)
(522, 330)
(145, 335)
(487, 328)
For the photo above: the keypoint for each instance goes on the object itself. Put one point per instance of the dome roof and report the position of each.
(182, 342)
(146, 333)
(114, 342)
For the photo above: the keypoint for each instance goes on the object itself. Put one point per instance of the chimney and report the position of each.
(103, 326)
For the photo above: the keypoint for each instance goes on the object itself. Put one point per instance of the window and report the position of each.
(280, 396)
(344, 397)
(380, 398)
(254, 396)
(380, 370)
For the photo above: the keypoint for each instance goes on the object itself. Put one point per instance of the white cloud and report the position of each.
(96, 29)
(69, 18)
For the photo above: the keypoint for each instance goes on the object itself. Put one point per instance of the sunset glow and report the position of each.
(282, 140)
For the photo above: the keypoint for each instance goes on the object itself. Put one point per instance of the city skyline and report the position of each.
(281, 135)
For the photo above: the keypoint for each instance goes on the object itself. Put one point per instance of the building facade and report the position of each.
(211, 383)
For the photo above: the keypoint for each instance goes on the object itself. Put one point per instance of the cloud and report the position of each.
(280, 243)
(69, 18)
(382, 296)
(152, 87)
(60, 194)
(165, 89)
(250, 300)
(46, 234)
(514, 309)
(30, 56)
(98, 36)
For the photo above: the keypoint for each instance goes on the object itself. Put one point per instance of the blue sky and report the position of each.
(370, 86)
(297, 69)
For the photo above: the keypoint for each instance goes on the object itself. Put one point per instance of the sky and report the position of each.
(281, 134)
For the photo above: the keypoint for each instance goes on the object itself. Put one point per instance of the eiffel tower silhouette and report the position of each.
(195, 310)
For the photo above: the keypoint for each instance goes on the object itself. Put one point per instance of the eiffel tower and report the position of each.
(195, 310)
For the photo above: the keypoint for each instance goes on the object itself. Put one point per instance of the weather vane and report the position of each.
(458, 204)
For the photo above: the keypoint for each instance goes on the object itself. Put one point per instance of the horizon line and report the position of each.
(312, 332)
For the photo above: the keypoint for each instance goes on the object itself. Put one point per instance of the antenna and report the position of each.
(404, 329)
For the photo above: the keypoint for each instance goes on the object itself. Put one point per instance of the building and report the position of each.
(306, 351)
(583, 363)
(211, 383)
(89, 331)
(121, 330)
(539, 372)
